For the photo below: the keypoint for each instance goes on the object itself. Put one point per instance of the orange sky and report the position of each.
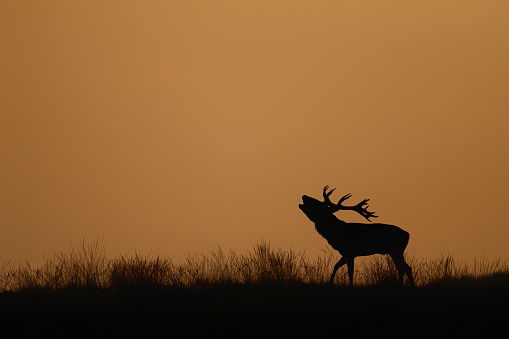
(174, 126)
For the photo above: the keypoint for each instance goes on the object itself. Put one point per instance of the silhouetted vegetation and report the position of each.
(262, 289)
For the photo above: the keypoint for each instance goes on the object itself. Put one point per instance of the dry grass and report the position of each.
(264, 291)
(88, 267)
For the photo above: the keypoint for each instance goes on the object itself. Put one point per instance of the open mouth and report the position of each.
(303, 202)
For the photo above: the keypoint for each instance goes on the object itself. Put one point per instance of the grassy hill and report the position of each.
(266, 291)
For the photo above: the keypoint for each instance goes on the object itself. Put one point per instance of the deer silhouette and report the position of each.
(356, 239)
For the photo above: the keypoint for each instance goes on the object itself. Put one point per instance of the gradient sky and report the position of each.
(175, 126)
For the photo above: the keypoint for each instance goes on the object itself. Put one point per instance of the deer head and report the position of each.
(315, 210)
(361, 208)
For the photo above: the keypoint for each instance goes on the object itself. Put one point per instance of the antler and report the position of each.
(361, 208)
(327, 195)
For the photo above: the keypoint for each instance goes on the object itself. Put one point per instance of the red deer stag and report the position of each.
(355, 239)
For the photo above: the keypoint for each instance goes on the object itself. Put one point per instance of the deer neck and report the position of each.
(328, 224)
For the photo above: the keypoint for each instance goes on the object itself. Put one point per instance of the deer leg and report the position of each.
(350, 270)
(340, 263)
(403, 268)
(398, 262)
(409, 273)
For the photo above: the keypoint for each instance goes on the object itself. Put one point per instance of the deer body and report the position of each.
(357, 239)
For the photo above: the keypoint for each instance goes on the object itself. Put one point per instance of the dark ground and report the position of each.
(266, 310)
